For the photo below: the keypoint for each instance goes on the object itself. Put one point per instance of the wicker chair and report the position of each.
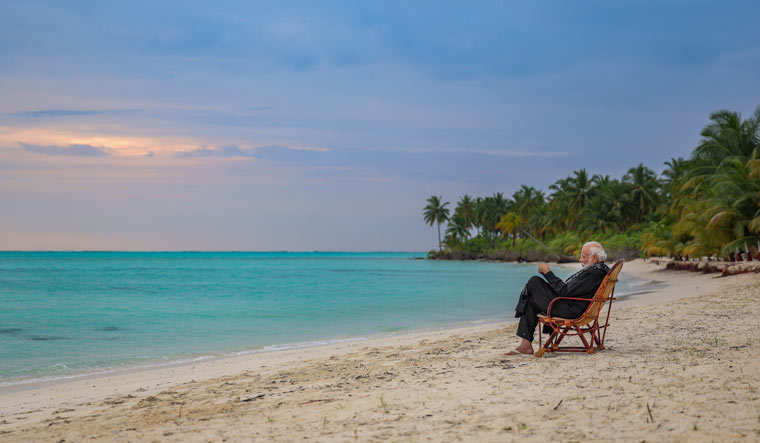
(588, 323)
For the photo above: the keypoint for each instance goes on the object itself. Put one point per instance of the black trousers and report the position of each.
(534, 299)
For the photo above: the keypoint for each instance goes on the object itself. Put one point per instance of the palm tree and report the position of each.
(644, 187)
(527, 200)
(542, 221)
(571, 195)
(457, 228)
(673, 174)
(582, 190)
(488, 211)
(734, 204)
(705, 204)
(614, 198)
(596, 217)
(500, 204)
(436, 212)
(559, 204)
(718, 201)
(510, 222)
(466, 211)
(729, 136)
(695, 239)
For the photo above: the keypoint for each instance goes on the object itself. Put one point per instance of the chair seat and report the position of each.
(556, 319)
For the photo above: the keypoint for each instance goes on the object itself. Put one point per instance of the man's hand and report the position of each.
(543, 268)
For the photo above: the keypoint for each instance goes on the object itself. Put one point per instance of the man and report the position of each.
(537, 294)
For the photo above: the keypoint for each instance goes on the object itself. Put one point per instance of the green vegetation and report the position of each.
(706, 205)
(436, 212)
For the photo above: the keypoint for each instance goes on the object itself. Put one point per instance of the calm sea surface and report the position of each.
(63, 313)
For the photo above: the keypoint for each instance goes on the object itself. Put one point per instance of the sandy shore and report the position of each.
(682, 363)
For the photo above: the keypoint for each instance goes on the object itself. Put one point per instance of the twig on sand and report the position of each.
(326, 400)
(650, 413)
(255, 397)
(560, 402)
(180, 409)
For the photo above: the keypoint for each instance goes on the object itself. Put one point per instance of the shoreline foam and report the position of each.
(26, 383)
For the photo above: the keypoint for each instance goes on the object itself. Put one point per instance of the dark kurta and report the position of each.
(537, 294)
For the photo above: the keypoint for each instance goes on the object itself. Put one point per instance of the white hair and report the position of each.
(594, 248)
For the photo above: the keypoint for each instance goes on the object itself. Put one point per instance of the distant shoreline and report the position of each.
(221, 251)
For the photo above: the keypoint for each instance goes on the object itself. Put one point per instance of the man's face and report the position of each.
(586, 258)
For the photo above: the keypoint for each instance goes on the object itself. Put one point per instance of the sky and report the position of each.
(320, 125)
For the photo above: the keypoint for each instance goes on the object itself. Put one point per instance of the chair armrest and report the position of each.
(549, 309)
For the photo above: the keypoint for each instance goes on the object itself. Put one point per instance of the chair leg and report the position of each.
(590, 344)
(596, 339)
(555, 346)
(599, 344)
(540, 340)
(544, 347)
(589, 349)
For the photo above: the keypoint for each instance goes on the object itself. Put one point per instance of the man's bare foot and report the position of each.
(525, 348)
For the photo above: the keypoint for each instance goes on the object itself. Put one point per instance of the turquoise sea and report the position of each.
(66, 313)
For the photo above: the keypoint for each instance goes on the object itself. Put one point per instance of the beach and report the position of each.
(682, 363)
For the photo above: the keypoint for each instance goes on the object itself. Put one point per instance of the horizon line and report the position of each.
(203, 250)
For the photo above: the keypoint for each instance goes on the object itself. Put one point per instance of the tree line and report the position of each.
(706, 205)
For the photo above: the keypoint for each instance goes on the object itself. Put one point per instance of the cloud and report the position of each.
(224, 152)
(272, 152)
(468, 165)
(391, 158)
(68, 112)
(75, 150)
(55, 113)
(496, 152)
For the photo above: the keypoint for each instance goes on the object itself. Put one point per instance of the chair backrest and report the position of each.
(603, 293)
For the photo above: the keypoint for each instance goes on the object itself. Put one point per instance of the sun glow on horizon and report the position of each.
(115, 145)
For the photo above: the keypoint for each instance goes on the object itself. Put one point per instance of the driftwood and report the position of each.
(724, 268)
(318, 400)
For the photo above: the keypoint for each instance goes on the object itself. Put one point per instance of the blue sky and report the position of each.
(326, 125)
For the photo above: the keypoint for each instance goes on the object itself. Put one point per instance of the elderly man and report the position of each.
(537, 294)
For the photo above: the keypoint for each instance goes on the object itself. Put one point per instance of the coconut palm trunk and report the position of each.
(440, 248)
(436, 212)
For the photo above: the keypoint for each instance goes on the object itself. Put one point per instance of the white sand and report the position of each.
(698, 374)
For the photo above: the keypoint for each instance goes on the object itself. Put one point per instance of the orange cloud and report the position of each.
(117, 145)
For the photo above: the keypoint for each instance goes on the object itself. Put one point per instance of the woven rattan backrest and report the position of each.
(602, 294)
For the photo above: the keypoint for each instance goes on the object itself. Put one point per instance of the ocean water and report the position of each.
(64, 313)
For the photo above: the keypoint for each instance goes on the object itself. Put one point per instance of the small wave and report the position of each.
(47, 338)
(298, 345)
(94, 372)
(108, 329)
